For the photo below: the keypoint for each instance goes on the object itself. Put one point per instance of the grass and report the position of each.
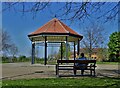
(53, 62)
(112, 63)
(0, 83)
(63, 82)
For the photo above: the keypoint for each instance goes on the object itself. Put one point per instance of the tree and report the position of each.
(6, 43)
(114, 46)
(13, 50)
(64, 51)
(73, 10)
(36, 51)
(102, 54)
(8, 47)
(94, 37)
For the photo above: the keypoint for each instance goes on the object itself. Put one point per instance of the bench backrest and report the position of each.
(77, 61)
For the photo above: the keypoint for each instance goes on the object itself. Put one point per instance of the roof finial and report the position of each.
(55, 16)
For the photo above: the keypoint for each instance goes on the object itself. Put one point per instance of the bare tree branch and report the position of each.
(8, 47)
(93, 38)
(72, 10)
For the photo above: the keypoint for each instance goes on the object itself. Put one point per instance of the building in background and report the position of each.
(100, 54)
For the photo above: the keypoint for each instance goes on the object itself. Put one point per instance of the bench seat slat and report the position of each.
(66, 69)
(72, 69)
(66, 66)
(76, 61)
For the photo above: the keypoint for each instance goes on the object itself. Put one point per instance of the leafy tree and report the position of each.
(64, 51)
(102, 54)
(114, 46)
(22, 58)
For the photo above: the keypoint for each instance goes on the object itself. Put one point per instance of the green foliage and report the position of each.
(23, 59)
(0, 83)
(39, 60)
(64, 82)
(64, 51)
(5, 59)
(107, 63)
(114, 46)
(15, 59)
(102, 54)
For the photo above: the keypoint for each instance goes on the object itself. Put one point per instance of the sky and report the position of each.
(19, 25)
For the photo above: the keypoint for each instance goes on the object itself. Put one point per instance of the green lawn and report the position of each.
(63, 83)
(0, 83)
(54, 62)
(112, 63)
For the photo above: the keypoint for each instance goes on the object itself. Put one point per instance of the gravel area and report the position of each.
(28, 71)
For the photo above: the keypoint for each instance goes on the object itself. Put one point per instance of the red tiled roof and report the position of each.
(54, 26)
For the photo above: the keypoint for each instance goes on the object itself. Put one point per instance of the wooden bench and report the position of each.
(70, 65)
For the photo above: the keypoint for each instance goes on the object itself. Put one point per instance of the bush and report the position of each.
(23, 59)
(113, 58)
(14, 59)
(5, 59)
(39, 60)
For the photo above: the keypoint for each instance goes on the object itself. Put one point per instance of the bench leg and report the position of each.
(56, 70)
(91, 72)
(94, 73)
(82, 72)
(75, 71)
(58, 74)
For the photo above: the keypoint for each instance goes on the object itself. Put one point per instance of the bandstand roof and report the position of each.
(55, 30)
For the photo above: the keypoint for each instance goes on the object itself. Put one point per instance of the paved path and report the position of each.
(27, 71)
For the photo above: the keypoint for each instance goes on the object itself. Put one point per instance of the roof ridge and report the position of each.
(44, 25)
(62, 26)
(69, 28)
(50, 23)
